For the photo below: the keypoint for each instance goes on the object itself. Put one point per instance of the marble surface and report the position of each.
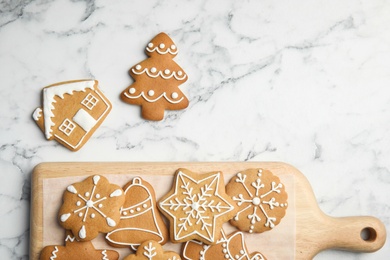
(303, 82)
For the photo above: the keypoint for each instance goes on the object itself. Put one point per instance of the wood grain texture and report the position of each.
(314, 230)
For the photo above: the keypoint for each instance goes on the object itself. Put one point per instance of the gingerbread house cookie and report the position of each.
(197, 206)
(261, 199)
(230, 247)
(90, 207)
(76, 250)
(71, 112)
(140, 218)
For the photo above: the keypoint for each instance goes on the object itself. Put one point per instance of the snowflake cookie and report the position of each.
(231, 247)
(90, 207)
(151, 250)
(75, 250)
(197, 206)
(261, 198)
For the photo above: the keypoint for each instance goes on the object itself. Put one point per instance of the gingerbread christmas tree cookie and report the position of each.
(157, 80)
(90, 207)
(261, 198)
(151, 250)
(230, 247)
(197, 206)
(140, 218)
(76, 250)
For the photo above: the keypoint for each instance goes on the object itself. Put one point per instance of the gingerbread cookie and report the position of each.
(261, 198)
(197, 206)
(140, 218)
(157, 80)
(90, 207)
(151, 250)
(230, 247)
(75, 250)
(71, 112)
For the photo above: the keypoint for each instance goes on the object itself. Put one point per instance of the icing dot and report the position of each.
(80, 214)
(138, 67)
(223, 245)
(132, 90)
(151, 93)
(224, 251)
(144, 206)
(93, 215)
(89, 203)
(237, 256)
(138, 209)
(100, 205)
(150, 45)
(162, 45)
(236, 218)
(174, 95)
(131, 211)
(242, 252)
(97, 195)
(251, 231)
(167, 71)
(227, 256)
(256, 201)
(78, 203)
(87, 194)
(205, 247)
(173, 47)
(124, 213)
(153, 69)
(180, 73)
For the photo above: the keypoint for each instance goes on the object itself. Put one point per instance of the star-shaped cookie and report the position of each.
(197, 206)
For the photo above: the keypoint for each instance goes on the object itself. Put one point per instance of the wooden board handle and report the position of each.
(363, 234)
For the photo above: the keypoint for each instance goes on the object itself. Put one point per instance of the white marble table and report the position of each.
(304, 82)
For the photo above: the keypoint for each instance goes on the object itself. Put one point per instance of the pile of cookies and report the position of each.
(195, 208)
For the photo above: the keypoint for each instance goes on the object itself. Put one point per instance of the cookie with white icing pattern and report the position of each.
(90, 207)
(157, 80)
(261, 199)
(151, 250)
(231, 247)
(197, 206)
(76, 250)
(71, 112)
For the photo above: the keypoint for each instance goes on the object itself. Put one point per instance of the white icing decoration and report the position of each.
(96, 179)
(116, 193)
(93, 215)
(82, 232)
(138, 67)
(162, 46)
(137, 182)
(110, 222)
(257, 201)
(64, 217)
(156, 99)
(54, 253)
(173, 47)
(87, 194)
(152, 73)
(132, 90)
(48, 99)
(151, 93)
(174, 95)
(100, 205)
(80, 214)
(167, 71)
(84, 119)
(104, 253)
(37, 113)
(97, 196)
(70, 238)
(226, 253)
(71, 189)
(78, 203)
(158, 50)
(211, 205)
(150, 45)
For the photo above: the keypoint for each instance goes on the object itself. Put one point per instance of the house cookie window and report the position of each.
(89, 101)
(67, 127)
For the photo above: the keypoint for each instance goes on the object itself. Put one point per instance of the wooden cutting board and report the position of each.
(303, 232)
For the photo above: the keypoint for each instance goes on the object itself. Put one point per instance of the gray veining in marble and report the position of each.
(304, 82)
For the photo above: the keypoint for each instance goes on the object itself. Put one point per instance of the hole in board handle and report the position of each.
(368, 234)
